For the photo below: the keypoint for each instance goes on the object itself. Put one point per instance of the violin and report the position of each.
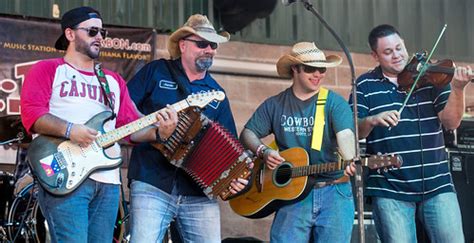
(438, 73)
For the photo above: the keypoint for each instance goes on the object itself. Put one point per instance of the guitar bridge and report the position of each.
(62, 163)
(259, 178)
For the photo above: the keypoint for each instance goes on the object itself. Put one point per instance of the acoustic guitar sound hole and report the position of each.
(283, 175)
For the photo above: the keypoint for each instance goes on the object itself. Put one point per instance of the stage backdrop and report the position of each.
(24, 41)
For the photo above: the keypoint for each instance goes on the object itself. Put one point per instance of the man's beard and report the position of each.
(203, 63)
(84, 48)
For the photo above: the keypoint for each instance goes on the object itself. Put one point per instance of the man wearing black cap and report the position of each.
(58, 97)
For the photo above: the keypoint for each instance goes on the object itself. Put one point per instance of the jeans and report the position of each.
(327, 213)
(440, 216)
(152, 210)
(87, 214)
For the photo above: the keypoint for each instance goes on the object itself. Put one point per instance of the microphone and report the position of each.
(288, 2)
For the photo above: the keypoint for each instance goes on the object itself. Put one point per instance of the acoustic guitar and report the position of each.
(290, 181)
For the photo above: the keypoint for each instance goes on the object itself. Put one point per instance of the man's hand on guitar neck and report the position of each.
(350, 169)
(167, 119)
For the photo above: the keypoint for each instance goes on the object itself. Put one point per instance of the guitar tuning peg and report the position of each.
(385, 170)
(378, 171)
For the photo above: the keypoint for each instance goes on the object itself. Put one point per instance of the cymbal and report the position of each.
(12, 128)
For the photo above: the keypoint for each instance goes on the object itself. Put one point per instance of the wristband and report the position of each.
(264, 150)
(260, 150)
(68, 130)
(158, 137)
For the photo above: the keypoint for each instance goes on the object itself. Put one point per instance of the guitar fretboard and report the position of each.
(111, 137)
(318, 169)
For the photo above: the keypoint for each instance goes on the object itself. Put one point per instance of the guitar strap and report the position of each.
(105, 87)
(318, 127)
(174, 76)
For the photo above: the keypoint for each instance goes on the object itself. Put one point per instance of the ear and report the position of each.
(181, 45)
(374, 55)
(70, 35)
(294, 68)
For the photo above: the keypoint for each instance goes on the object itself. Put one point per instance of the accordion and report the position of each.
(207, 152)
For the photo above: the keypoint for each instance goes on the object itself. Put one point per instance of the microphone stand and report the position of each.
(359, 184)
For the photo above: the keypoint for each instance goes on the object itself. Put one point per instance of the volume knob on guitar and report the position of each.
(59, 181)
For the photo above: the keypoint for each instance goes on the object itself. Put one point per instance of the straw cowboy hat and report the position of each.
(199, 25)
(308, 54)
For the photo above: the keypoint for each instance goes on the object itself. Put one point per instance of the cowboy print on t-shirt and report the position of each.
(300, 126)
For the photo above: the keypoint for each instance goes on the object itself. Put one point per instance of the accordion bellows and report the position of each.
(209, 153)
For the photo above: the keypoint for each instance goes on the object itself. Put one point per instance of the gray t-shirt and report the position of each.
(291, 120)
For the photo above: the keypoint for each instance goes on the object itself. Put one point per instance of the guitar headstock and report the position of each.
(202, 99)
(379, 161)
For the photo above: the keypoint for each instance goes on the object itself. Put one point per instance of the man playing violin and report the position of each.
(422, 188)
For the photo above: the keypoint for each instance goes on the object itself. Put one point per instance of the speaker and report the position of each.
(462, 169)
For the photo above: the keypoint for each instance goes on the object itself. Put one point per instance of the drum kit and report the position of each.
(21, 219)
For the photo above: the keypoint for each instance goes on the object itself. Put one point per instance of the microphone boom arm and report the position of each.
(359, 184)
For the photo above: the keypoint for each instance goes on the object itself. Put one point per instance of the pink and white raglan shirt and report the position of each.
(54, 86)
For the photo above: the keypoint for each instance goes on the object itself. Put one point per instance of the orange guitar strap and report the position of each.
(318, 127)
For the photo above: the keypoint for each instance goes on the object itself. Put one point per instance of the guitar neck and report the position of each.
(113, 136)
(318, 169)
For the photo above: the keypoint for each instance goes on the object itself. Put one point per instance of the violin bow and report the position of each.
(422, 71)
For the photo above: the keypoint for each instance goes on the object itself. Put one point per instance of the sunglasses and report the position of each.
(93, 31)
(310, 69)
(204, 44)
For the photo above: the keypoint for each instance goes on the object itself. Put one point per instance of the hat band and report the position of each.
(309, 51)
(323, 61)
(205, 29)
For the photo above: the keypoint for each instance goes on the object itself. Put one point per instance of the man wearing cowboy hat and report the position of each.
(161, 192)
(51, 105)
(309, 116)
